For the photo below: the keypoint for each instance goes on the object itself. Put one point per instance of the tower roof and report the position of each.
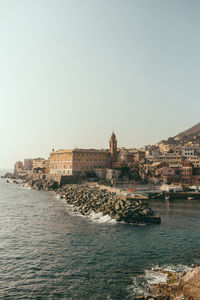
(113, 136)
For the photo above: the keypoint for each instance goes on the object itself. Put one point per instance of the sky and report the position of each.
(72, 71)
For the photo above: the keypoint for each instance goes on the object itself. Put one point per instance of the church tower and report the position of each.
(113, 147)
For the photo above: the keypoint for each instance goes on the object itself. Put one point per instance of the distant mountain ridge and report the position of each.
(192, 131)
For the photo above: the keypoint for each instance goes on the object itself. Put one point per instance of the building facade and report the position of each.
(195, 160)
(171, 159)
(83, 161)
(190, 150)
(78, 161)
(28, 164)
(113, 147)
(18, 167)
(40, 163)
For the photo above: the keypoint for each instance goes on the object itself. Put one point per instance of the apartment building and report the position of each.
(190, 150)
(40, 163)
(173, 160)
(195, 160)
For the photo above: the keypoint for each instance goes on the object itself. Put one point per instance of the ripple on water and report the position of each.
(48, 251)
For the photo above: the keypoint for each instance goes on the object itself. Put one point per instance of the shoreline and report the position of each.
(90, 198)
(178, 283)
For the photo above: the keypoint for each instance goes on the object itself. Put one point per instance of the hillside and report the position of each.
(191, 132)
(190, 135)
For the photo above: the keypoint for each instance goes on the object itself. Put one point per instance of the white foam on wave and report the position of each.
(141, 283)
(100, 218)
(154, 277)
(138, 287)
(95, 217)
(26, 187)
(177, 268)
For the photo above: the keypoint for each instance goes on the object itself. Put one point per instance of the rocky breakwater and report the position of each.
(45, 185)
(92, 199)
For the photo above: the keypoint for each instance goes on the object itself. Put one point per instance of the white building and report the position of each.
(191, 150)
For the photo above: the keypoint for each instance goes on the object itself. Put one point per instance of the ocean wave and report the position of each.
(95, 217)
(139, 287)
(26, 187)
(174, 268)
(154, 277)
(100, 218)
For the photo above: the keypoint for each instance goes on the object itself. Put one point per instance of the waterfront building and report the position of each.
(124, 158)
(78, 161)
(113, 147)
(120, 157)
(171, 175)
(81, 161)
(40, 163)
(28, 164)
(18, 167)
(187, 172)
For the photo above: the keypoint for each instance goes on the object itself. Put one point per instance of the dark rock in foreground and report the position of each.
(179, 286)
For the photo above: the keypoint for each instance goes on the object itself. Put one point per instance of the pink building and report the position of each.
(168, 171)
(170, 175)
(187, 173)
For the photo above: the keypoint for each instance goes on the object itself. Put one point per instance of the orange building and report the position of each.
(77, 161)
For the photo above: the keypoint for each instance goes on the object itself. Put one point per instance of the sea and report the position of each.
(48, 251)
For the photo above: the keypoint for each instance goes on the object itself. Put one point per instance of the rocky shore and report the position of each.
(88, 199)
(179, 286)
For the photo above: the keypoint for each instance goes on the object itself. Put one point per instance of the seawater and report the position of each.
(49, 252)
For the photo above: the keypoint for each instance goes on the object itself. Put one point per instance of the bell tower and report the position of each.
(113, 146)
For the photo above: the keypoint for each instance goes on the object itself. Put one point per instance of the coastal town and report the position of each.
(92, 182)
(171, 164)
(117, 182)
(100, 150)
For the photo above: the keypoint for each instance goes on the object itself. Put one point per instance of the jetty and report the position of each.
(88, 199)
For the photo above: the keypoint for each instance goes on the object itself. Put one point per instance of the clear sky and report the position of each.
(71, 71)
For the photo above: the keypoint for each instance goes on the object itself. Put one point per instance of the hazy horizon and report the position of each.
(74, 71)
